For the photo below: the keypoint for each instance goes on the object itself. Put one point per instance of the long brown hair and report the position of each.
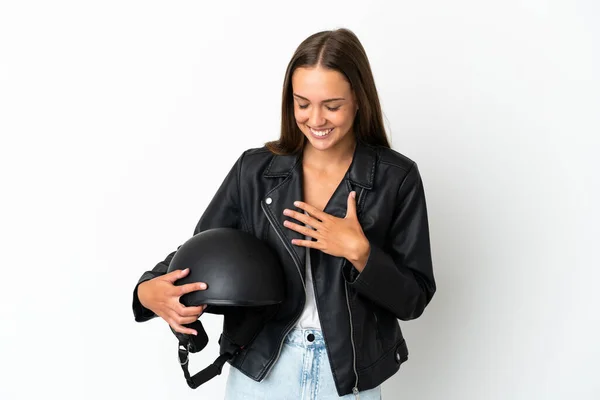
(338, 50)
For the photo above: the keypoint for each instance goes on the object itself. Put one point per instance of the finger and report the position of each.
(184, 311)
(306, 243)
(184, 320)
(180, 310)
(174, 275)
(307, 219)
(203, 309)
(190, 287)
(181, 329)
(188, 320)
(351, 211)
(189, 316)
(314, 211)
(302, 229)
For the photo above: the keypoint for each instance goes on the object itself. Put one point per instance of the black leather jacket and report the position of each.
(358, 312)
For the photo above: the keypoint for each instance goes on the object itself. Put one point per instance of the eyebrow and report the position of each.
(324, 101)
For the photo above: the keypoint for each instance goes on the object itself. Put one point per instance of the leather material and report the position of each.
(238, 268)
(359, 312)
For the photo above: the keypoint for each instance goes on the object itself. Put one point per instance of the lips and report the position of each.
(320, 132)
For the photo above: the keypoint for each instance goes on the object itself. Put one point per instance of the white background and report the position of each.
(119, 119)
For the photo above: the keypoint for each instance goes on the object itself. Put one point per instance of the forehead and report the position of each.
(319, 82)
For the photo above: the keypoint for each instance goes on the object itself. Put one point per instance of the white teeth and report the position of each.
(321, 133)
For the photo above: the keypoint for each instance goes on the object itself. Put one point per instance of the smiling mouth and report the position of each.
(320, 133)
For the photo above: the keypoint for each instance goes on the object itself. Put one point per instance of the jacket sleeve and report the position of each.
(223, 211)
(399, 275)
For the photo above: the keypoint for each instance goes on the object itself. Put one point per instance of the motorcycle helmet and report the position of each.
(245, 284)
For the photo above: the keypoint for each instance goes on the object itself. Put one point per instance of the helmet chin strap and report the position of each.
(207, 373)
(192, 344)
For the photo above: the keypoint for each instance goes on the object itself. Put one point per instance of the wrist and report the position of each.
(361, 255)
(141, 294)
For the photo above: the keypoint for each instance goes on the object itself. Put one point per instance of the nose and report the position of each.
(316, 118)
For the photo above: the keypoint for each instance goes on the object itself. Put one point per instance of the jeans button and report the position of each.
(310, 337)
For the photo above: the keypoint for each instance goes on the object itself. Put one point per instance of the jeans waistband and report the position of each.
(305, 338)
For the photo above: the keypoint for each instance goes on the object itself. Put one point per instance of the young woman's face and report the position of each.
(324, 106)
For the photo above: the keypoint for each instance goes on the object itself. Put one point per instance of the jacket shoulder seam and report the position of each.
(394, 165)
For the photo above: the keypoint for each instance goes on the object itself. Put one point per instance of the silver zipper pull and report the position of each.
(355, 391)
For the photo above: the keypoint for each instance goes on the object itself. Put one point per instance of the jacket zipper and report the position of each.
(355, 388)
(290, 251)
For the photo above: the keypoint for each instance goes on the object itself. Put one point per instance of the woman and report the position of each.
(347, 218)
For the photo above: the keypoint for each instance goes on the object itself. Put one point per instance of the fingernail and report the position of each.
(195, 333)
(202, 285)
(353, 195)
(296, 203)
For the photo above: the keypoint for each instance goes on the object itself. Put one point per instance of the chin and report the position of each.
(322, 146)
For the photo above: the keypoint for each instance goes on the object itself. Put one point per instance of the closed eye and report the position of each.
(305, 106)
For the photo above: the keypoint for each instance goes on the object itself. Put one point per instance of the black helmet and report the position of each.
(245, 284)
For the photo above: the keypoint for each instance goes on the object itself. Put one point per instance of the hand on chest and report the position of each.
(318, 187)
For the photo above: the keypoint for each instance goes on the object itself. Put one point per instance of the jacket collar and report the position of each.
(361, 171)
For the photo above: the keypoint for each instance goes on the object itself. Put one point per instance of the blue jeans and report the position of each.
(302, 372)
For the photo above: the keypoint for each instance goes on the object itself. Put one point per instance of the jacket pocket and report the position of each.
(377, 333)
(367, 334)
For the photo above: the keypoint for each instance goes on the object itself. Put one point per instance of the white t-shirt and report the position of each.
(310, 316)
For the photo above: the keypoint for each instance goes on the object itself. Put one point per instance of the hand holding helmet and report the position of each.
(161, 296)
(247, 286)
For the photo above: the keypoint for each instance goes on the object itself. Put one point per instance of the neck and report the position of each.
(333, 157)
